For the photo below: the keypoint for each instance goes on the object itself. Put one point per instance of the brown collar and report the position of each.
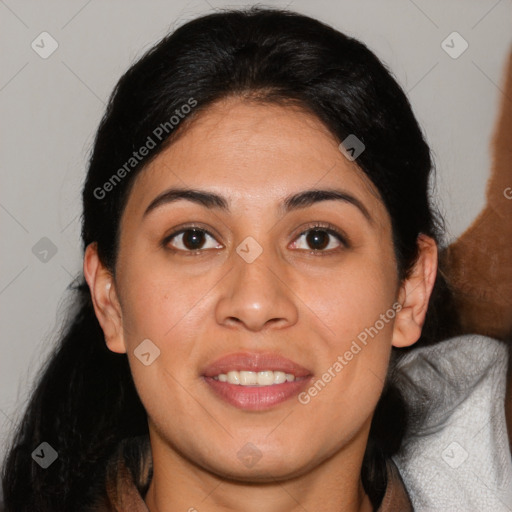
(395, 498)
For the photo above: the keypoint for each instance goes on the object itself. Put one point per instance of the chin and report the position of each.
(259, 470)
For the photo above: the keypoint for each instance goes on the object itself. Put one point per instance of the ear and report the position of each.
(415, 293)
(104, 297)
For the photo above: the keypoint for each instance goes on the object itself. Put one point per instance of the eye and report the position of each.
(321, 239)
(192, 239)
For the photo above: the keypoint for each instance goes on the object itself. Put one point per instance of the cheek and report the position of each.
(356, 315)
(158, 303)
(169, 310)
(352, 299)
(346, 391)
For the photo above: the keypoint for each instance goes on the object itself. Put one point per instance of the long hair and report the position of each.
(84, 403)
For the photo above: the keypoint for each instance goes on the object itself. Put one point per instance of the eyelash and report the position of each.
(326, 227)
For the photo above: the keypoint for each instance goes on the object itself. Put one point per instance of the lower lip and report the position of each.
(256, 398)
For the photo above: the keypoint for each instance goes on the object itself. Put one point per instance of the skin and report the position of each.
(307, 306)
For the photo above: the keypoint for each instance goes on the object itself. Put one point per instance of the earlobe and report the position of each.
(415, 294)
(104, 298)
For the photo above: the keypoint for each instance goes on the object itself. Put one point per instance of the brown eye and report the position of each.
(193, 240)
(318, 239)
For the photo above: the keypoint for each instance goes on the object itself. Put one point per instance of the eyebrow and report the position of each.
(309, 197)
(290, 203)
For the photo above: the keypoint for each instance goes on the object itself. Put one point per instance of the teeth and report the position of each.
(248, 378)
(263, 378)
(245, 378)
(280, 377)
(233, 377)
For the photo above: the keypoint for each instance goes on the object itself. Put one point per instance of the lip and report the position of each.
(255, 362)
(256, 398)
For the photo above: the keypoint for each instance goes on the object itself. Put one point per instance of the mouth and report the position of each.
(255, 381)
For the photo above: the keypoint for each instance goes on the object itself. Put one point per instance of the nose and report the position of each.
(256, 295)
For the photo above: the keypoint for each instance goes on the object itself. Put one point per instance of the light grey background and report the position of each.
(50, 109)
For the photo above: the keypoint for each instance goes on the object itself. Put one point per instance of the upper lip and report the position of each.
(254, 362)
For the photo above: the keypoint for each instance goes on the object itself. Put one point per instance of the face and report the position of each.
(268, 308)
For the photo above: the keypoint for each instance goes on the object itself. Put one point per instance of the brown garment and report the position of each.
(396, 498)
(478, 264)
(125, 496)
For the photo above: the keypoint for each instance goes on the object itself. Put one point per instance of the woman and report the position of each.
(259, 248)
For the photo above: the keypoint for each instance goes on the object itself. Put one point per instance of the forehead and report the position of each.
(253, 153)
